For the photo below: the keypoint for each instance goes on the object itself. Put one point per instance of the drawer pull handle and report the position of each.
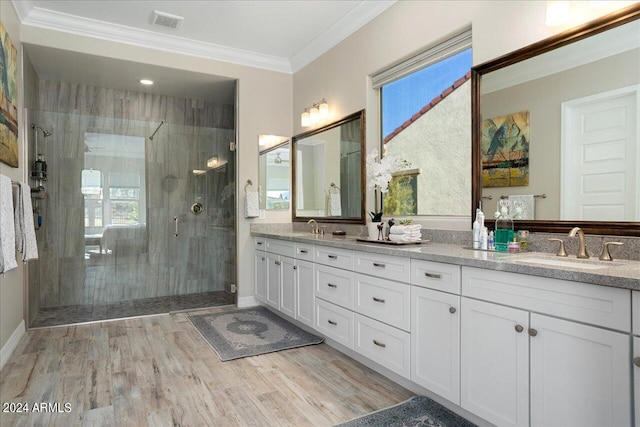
(332, 256)
(379, 300)
(519, 328)
(331, 285)
(636, 361)
(295, 268)
(433, 276)
(452, 310)
(304, 251)
(533, 332)
(263, 258)
(258, 243)
(331, 322)
(379, 344)
(377, 264)
(277, 262)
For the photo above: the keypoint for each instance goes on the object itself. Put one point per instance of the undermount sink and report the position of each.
(571, 263)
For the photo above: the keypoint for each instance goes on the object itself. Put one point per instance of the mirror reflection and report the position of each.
(564, 125)
(328, 172)
(273, 171)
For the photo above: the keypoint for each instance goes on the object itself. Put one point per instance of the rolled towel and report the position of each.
(397, 229)
(403, 238)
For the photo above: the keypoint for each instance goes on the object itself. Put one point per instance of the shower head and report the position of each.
(45, 132)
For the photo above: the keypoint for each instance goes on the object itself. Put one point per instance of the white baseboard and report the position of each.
(247, 302)
(11, 344)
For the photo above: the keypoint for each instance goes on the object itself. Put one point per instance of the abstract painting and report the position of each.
(505, 150)
(8, 100)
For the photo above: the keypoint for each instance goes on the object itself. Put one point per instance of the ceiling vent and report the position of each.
(166, 20)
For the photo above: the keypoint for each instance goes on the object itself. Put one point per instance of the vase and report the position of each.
(374, 232)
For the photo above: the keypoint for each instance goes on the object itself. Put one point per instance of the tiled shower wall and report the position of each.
(201, 259)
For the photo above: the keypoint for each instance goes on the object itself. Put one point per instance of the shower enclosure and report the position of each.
(132, 225)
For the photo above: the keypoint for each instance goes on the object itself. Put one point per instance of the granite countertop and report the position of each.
(619, 273)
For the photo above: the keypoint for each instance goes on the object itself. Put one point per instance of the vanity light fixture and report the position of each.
(317, 112)
(146, 82)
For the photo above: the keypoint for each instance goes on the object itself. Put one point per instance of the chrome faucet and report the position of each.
(582, 248)
(314, 226)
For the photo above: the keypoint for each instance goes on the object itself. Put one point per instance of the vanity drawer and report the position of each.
(260, 243)
(335, 322)
(388, 346)
(335, 257)
(304, 251)
(596, 305)
(436, 275)
(335, 285)
(381, 299)
(635, 308)
(385, 266)
(280, 247)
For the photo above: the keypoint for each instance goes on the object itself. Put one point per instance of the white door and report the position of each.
(636, 376)
(288, 289)
(274, 277)
(580, 375)
(260, 270)
(305, 299)
(494, 362)
(600, 157)
(435, 342)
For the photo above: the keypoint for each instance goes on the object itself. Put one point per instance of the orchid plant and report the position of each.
(379, 173)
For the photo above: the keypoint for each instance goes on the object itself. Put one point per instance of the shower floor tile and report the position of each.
(67, 315)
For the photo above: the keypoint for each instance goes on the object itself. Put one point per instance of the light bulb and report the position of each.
(305, 119)
(324, 109)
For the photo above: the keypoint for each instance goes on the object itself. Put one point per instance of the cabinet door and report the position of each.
(288, 289)
(636, 376)
(305, 297)
(494, 362)
(260, 271)
(435, 342)
(580, 375)
(274, 277)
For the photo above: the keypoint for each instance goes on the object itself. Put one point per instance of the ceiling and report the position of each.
(282, 36)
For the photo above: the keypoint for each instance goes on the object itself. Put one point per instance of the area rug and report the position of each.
(249, 332)
(417, 411)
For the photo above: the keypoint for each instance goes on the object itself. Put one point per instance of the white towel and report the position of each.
(7, 227)
(335, 204)
(402, 229)
(403, 238)
(252, 204)
(526, 201)
(25, 232)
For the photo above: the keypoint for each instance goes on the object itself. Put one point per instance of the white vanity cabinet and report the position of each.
(260, 269)
(288, 286)
(305, 299)
(636, 376)
(435, 342)
(274, 280)
(635, 298)
(580, 374)
(494, 362)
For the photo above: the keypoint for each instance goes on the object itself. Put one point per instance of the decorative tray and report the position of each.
(389, 242)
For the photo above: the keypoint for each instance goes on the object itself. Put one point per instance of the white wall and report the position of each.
(341, 75)
(11, 283)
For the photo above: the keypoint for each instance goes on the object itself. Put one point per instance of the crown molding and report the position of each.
(52, 20)
(355, 19)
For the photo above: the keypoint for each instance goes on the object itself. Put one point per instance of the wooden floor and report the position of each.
(159, 371)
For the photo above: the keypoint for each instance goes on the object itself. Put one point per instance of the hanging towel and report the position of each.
(7, 227)
(24, 229)
(527, 202)
(335, 204)
(252, 204)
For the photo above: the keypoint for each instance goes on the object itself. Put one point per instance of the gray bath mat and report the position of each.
(248, 332)
(417, 411)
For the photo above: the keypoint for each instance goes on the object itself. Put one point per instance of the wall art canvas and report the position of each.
(505, 150)
(8, 100)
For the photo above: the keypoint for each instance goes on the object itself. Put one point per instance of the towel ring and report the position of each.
(249, 183)
(335, 188)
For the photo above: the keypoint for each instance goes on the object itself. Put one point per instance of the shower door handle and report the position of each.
(177, 228)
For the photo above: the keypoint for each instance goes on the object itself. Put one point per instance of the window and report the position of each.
(426, 120)
(124, 205)
(91, 188)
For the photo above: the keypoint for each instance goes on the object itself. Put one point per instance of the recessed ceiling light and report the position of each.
(146, 82)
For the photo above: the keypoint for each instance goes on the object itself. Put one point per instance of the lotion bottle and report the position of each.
(476, 232)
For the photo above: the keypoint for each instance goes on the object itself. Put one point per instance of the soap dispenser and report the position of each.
(504, 228)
